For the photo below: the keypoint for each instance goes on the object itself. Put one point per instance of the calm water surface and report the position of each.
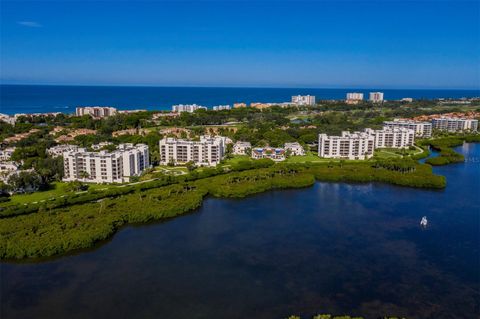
(336, 248)
(57, 98)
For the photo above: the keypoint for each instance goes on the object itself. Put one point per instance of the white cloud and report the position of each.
(30, 24)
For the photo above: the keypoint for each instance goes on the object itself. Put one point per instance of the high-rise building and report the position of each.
(303, 99)
(422, 129)
(392, 137)
(455, 124)
(376, 97)
(352, 146)
(106, 167)
(208, 151)
(96, 111)
(190, 108)
(221, 107)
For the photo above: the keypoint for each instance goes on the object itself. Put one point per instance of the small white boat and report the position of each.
(424, 221)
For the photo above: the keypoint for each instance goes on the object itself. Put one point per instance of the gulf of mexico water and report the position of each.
(54, 98)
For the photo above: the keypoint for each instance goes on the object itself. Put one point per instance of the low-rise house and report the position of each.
(99, 146)
(58, 150)
(294, 149)
(119, 166)
(275, 154)
(70, 136)
(208, 151)
(6, 153)
(241, 148)
(7, 168)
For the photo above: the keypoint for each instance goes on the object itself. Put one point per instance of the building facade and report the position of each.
(422, 129)
(239, 105)
(294, 149)
(452, 124)
(392, 137)
(351, 146)
(208, 151)
(190, 108)
(275, 154)
(376, 97)
(241, 148)
(303, 99)
(221, 107)
(354, 96)
(95, 111)
(106, 167)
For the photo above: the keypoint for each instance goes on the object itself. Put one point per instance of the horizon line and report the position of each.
(244, 87)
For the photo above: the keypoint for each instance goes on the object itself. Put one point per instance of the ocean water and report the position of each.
(334, 247)
(41, 98)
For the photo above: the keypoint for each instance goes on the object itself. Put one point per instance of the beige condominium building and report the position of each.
(106, 167)
(208, 151)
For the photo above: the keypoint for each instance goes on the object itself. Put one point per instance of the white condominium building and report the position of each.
(190, 108)
(355, 96)
(106, 167)
(221, 107)
(209, 151)
(376, 97)
(422, 129)
(452, 124)
(392, 137)
(303, 99)
(294, 148)
(352, 146)
(95, 111)
(241, 148)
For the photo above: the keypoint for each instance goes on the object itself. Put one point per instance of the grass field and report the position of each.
(57, 189)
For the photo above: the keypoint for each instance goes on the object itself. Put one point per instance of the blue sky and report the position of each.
(383, 44)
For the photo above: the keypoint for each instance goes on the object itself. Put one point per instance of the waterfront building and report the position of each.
(422, 129)
(376, 97)
(275, 154)
(118, 166)
(95, 111)
(303, 99)
(241, 148)
(190, 108)
(294, 148)
(6, 153)
(354, 98)
(7, 119)
(398, 137)
(455, 124)
(407, 99)
(208, 151)
(351, 146)
(221, 107)
(239, 105)
(58, 150)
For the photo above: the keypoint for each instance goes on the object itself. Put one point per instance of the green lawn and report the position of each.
(309, 157)
(235, 159)
(57, 189)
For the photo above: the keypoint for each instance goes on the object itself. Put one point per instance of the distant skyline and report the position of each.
(309, 44)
